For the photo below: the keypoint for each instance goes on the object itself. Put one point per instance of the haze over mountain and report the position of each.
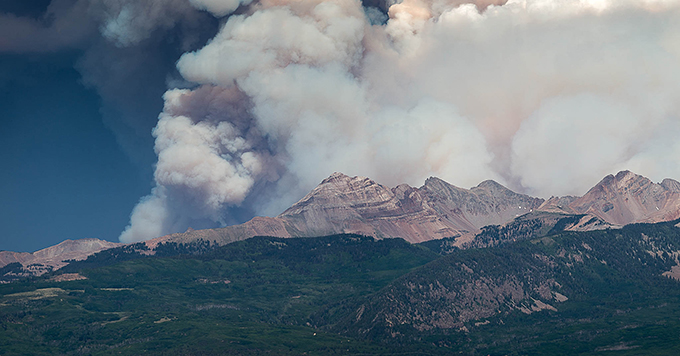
(343, 204)
(625, 198)
(436, 210)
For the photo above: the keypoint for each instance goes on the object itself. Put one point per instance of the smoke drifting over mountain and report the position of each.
(546, 96)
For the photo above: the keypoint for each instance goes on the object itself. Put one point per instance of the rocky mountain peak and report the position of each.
(491, 184)
(621, 181)
(626, 174)
(438, 184)
(492, 187)
(341, 203)
(336, 177)
(627, 179)
(671, 185)
(437, 209)
(628, 197)
(341, 190)
(339, 185)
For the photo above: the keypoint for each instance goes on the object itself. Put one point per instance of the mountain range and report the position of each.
(506, 274)
(600, 292)
(343, 204)
(436, 210)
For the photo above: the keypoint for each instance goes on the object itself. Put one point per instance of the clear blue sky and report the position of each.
(63, 175)
(76, 114)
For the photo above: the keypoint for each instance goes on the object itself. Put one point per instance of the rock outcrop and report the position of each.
(7, 257)
(435, 210)
(624, 198)
(343, 204)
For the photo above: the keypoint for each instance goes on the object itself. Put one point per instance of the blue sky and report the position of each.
(76, 114)
(64, 175)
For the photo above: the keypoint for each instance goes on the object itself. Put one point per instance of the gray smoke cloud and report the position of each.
(64, 24)
(545, 96)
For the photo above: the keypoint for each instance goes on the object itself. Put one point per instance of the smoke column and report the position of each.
(545, 96)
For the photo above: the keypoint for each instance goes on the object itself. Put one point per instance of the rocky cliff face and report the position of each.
(343, 204)
(489, 203)
(7, 257)
(627, 198)
(360, 205)
(435, 210)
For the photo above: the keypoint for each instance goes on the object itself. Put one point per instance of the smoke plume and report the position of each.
(545, 96)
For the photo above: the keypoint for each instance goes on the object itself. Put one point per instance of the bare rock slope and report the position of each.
(53, 257)
(624, 198)
(435, 210)
(343, 204)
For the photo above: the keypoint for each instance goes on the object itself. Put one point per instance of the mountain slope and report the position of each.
(343, 204)
(253, 297)
(437, 210)
(50, 258)
(627, 197)
(562, 285)
(572, 293)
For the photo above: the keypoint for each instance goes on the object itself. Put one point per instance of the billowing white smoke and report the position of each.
(544, 95)
(219, 8)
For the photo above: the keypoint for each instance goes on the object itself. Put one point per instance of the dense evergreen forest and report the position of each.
(522, 290)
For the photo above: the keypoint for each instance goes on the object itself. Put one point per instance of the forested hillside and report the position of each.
(552, 292)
